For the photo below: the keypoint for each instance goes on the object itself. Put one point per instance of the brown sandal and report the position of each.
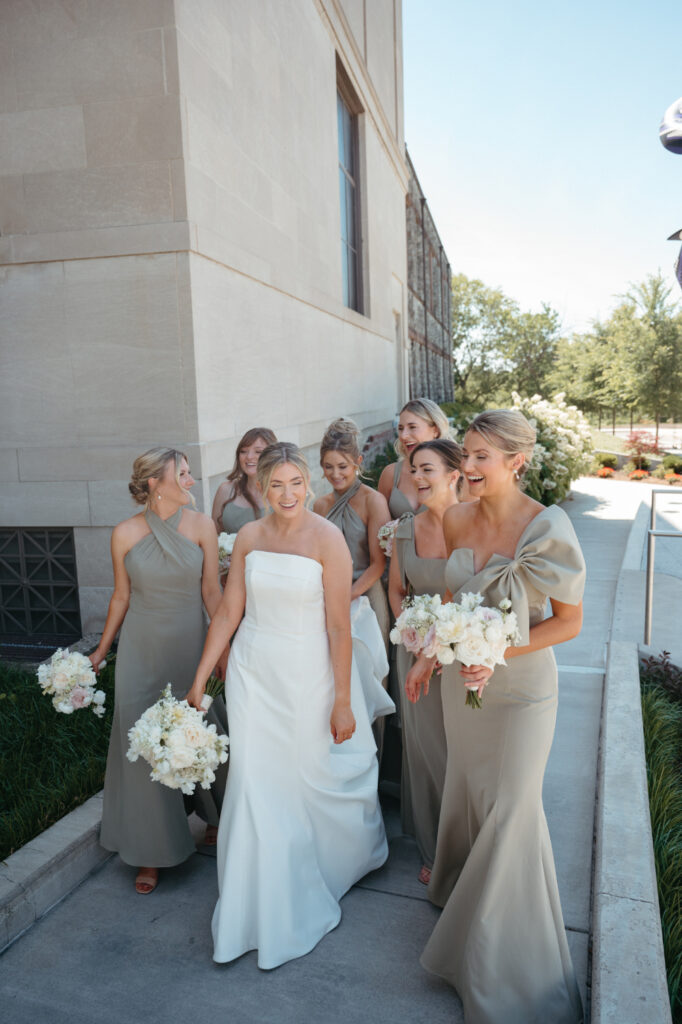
(146, 881)
(424, 875)
(210, 836)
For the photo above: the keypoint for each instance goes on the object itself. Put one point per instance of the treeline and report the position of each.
(627, 365)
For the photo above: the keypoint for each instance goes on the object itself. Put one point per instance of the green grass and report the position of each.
(49, 762)
(605, 441)
(662, 714)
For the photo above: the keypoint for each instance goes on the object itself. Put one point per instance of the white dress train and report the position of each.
(301, 821)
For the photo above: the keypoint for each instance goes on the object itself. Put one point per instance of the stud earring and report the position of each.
(158, 496)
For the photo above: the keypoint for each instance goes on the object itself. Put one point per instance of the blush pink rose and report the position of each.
(411, 639)
(79, 697)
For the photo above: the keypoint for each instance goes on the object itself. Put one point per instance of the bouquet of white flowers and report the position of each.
(465, 632)
(177, 743)
(386, 535)
(70, 680)
(225, 546)
(418, 616)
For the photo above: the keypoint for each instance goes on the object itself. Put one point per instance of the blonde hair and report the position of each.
(509, 431)
(237, 476)
(279, 454)
(428, 411)
(342, 436)
(153, 463)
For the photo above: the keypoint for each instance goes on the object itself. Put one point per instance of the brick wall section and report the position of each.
(428, 300)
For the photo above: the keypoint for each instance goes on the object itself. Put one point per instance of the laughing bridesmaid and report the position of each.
(238, 499)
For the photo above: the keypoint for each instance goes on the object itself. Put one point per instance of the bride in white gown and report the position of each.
(301, 821)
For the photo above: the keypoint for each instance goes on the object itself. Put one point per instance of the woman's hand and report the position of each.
(196, 695)
(418, 677)
(478, 674)
(342, 722)
(220, 669)
(96, 659)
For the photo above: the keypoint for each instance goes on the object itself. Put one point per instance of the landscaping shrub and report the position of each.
(638, 474)
(563, 450)
(639, 444)
(673, 463)
(371, 474)
(662, 717)
(606, 459)
(49, 762)
(605, 472)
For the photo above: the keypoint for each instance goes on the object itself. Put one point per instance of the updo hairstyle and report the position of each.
(450, 453)
(152, 464)
(279, 454)
(428, 411)
(509, 431)
(342, 436)
(237, 476)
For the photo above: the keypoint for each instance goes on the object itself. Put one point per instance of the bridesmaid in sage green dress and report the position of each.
(165, 572)
(500, 940)
(359, 512)
(420, 420)
(418, 567)
(238, 500)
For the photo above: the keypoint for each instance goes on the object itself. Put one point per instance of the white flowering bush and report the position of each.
(563, 450)
(174, 739)
(68, 677)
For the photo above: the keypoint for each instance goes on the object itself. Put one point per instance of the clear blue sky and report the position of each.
(533, 128)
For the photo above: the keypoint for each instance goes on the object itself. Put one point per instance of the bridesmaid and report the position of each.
(165, 572)
(420, 420)
(359, 512)
(500, 939)
(238, 499)
(418, 567)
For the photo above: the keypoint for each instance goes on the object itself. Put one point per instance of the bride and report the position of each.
(301, 821)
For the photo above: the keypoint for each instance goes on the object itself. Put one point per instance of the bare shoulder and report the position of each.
(322, 505)
(375, 502)
(125, 535)
(225, 491)
(328, 537)
(386, 478)
(458, 518)
(199, 523)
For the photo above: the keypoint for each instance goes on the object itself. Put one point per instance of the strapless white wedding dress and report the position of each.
(301, 821)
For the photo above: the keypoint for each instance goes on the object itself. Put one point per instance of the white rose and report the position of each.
(472, 651)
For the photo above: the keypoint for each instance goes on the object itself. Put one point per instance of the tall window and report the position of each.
(348, 187)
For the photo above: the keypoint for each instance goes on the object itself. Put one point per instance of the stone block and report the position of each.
(98, 197)
(98, 243)
(12, 210)
(69, 463)
(628, 967)
(110, 502)
(57, 503)
(33, 141)
(132, 131)
(93, 557)
(9, 464)
(8, 90)
(94, 603)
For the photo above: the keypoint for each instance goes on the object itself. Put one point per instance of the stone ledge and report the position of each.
(47, 869)
(629, 984)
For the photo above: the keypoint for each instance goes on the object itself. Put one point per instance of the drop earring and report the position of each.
(516, 473)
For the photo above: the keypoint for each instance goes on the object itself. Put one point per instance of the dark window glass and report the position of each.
(347, 137)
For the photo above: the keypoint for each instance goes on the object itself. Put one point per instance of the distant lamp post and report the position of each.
(670, 132)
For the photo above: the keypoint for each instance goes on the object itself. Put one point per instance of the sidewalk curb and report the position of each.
(629, 983)
(48, 868)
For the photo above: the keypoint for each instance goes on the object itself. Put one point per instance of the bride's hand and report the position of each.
(342, 723)
(418, 677)
(195, 696)
(475, 674)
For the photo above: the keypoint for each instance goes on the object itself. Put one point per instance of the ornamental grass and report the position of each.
(662, 716)
(49, 763)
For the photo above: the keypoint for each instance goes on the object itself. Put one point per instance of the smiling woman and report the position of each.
(420, 420)
(301, 823)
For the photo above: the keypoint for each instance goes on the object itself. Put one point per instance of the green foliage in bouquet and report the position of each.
(563, 450)
(49, 763)
(662, 716)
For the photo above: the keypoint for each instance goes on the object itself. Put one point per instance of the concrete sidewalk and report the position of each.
(106, 954)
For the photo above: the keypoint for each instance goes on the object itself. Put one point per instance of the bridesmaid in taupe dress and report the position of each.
(238, 500)
(165, 572)
(500, 940)
(418, 567)
(420, 420)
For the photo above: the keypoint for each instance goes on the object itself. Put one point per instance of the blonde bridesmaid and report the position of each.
(500, 940)
(238, 500)
(165, 573)
(418, 567)
(420, 420)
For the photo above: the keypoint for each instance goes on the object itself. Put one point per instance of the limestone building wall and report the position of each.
(170, 257)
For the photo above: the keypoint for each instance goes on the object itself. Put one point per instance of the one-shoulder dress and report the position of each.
(161, 641)
(301, 821)
(423, 731)
(500, 939)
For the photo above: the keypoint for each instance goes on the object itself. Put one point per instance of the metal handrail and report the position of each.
(650, 558)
